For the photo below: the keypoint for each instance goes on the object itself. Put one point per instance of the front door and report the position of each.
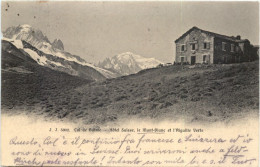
(193, 60)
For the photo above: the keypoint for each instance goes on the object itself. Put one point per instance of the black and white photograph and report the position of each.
(133, 80)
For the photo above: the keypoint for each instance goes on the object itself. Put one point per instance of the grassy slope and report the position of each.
(207, 93)
(29, 86)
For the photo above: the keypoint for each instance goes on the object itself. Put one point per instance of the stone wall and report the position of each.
(203, 47)
(197, 38)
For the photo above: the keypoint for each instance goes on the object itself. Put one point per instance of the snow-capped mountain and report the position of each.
(38, 46)
(25, 32)
(128, 63)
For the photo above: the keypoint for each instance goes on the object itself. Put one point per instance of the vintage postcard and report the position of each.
(130, 83)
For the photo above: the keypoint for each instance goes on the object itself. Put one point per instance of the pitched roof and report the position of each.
(231, 38)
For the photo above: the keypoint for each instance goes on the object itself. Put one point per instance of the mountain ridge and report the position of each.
(119, 65)
(25, 33)
(128, 63)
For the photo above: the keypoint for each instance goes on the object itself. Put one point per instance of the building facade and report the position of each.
(200, 46)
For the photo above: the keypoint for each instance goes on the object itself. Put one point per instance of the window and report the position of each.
(183, 48)
(224, 46)
(205, 45)
(193, 46)
(204, 58)
(182, 59)
(232, 49)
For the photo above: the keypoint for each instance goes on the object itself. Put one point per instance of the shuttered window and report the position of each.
(196, 46)
(204, 58)
(206, 45)
(183, 48)
(193, 46)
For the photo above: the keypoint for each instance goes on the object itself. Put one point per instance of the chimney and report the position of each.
(238, 37)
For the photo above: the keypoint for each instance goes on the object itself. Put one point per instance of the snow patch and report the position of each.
(16, 43)
(56, 63)
(42, 60)
(25, 26)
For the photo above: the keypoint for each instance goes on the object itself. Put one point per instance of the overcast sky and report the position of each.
(95, 30)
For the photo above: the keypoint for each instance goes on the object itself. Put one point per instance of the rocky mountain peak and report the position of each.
(57, 43)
